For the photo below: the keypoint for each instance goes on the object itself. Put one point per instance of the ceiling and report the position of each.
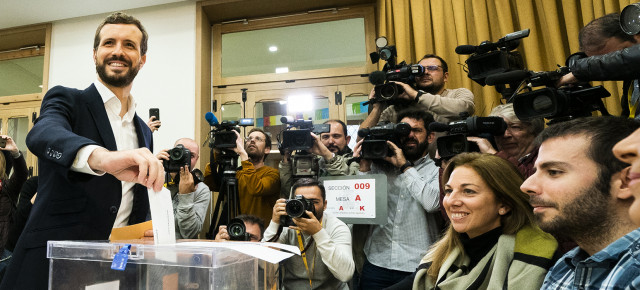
(14, 13)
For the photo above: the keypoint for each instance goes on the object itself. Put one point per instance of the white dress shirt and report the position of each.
(124, 132)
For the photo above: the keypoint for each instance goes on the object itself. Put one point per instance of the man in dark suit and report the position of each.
(94, 157)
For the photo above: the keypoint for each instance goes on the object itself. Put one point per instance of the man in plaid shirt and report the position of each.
(577, 191)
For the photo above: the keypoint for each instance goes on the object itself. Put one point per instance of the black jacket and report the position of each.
(621, 65)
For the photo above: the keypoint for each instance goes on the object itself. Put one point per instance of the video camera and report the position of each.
(300, 139)
(237, 230)
(375, 145)
(385, 89)
(295, 208)
(456, 140)
(222, 135)
(489, 58)
(557, 104)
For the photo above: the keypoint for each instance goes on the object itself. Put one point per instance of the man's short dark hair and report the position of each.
(307, 182)
(602, 132)
(344, 126)
(594, 35)
(122, 18)
(445, 67)
(417, 114)
(267, 139)
(252, 219)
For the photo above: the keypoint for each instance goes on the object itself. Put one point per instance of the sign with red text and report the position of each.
(354, 198)
(357, 199)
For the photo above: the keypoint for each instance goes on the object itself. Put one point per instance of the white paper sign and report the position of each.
(164, 229)
(354, 198)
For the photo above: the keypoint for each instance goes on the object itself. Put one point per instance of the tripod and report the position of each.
(228, 198)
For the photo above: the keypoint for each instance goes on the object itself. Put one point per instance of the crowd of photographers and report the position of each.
(570, 186)
(473, 202)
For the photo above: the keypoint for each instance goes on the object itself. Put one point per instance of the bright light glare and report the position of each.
(280, 70)
(299, 103)
(273, 48)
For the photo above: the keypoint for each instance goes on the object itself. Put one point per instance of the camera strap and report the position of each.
(303, 253)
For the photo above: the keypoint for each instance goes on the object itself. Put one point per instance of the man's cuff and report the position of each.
(81, 162)
(321, 236)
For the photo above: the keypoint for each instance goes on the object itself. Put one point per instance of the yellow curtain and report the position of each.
(418, 27)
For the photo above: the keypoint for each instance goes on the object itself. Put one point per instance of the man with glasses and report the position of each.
(332, 153)
(444, 104)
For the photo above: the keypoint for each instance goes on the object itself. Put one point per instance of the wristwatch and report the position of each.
(420, 93)
(405, 166)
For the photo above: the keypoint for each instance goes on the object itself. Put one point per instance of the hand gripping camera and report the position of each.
(237, 230)
(297, 135)
(456, 140)
(295, 208)
(375, 144)
(222, 135)
(385, 89)
(179, 156)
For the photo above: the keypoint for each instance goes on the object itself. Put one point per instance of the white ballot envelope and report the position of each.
(164, 228)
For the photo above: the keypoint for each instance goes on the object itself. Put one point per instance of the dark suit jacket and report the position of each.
(70, 205)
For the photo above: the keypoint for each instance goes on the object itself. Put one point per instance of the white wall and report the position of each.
(167, 80)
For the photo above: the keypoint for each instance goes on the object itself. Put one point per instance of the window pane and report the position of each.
(356, 112)
(301, 47)
(21, 76)
(268, 115)
(231, 112)
(17, 129)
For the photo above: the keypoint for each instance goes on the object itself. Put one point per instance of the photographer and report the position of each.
(190, 197)
(316, 234)
(444, 104)
(412, 204)
(613, 56)
(254, 226)
(332, 152)
(517, 143)
(258, 184)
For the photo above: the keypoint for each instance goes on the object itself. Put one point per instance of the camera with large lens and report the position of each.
(555, 104)
(375, 144)
(489, 58)
(222, 135)
(457, 131)
(179, 156)
(297, 135)
(385, 89)
(237, 230)
(295, 208)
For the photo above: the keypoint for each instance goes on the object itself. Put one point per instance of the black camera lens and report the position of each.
(237, 230)
(176, 154)
(295, 208)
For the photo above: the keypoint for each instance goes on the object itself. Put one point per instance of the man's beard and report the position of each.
(585, 217)
(255, 156)
(434, 88)
(117, 81)
(414, 153)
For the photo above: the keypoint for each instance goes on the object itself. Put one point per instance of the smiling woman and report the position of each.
(492, 240)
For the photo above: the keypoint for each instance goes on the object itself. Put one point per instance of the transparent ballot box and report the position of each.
(87, 265)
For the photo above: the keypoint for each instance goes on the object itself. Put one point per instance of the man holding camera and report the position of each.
(613, 55)
(394, 250)
(190, 196)
(444, 104)
(332, 152)
(258, 184)
(327, 262)
(253, 225)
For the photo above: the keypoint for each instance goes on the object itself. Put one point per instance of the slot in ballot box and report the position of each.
(87, 265)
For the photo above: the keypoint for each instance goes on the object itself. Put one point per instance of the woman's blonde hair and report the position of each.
(504, 180)
(3, 167)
